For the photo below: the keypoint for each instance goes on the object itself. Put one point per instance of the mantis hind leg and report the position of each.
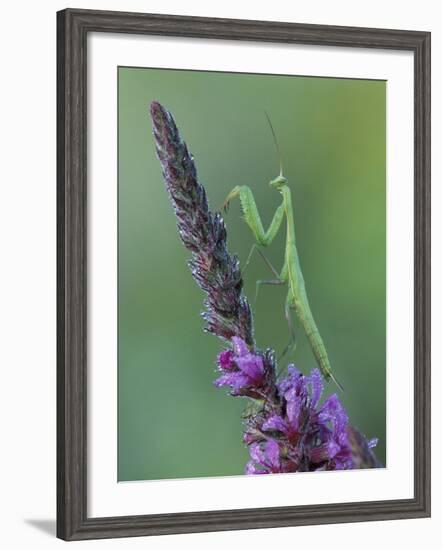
(266, 282)
(276, 281)
(291, 346)
(255, 247)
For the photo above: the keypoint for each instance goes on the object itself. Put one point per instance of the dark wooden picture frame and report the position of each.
(73, 27)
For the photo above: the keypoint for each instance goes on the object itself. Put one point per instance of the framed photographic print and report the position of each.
(243, 274)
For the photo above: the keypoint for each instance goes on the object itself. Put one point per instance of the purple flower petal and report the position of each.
(251, 365)
(225, 360)
(317, 387)
(240, 382)
(293, 412)
(251, 469)
(275, 422)
(257, 454)
(334, 412)
(225, 380)
(324, 452)
(239, 346)
(292, 376)
(234, 379)
(293, 372)
(272, 453)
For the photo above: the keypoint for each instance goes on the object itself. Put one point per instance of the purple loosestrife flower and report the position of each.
(215, 270)
(247, 374)
(309, 437)
(288, 430)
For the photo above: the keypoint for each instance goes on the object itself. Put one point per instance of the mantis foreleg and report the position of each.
(252, 217)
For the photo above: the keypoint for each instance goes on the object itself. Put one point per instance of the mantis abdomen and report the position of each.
(303, 312)
(297, 300)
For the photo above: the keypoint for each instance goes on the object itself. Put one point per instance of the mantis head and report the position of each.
(278, 182)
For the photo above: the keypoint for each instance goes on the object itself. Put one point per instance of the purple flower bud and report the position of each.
(204, 234)
(225, 360)
(242, 370)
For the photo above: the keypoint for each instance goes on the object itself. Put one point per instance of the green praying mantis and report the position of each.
(291, 273)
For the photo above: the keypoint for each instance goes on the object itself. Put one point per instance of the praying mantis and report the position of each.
(291, 273)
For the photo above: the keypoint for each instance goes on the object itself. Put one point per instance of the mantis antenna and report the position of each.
(278, 150)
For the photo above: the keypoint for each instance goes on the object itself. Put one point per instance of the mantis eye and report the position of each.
(278, 182)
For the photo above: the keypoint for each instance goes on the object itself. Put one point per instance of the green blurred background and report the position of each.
(172, 421)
